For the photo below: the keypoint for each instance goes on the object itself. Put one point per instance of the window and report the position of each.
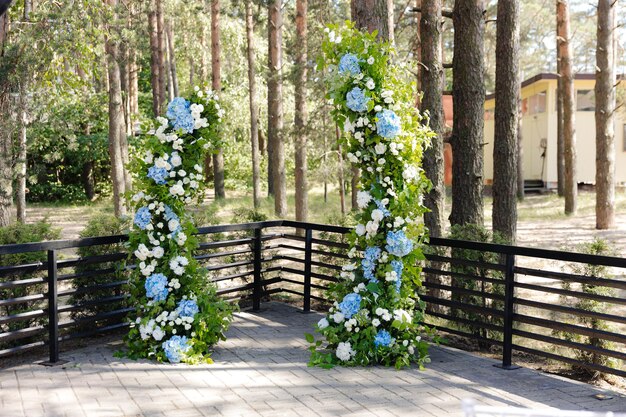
(534, 104)
(585, 100)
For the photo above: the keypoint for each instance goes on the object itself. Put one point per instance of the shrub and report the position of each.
(23, 233)
(92, 274)
(597, 247)
(466, 281)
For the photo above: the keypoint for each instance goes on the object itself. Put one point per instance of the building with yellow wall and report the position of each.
(539, 132)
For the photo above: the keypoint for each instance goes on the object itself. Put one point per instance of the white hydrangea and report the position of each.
(158, 333)
(360, 229)
(363, 198)
(176, 160)
(344, 351)
(377, 215)
(409, 173)
(338, 317)
(322, 324)
(142, 252)
(380, 148)
(173, 225)
(177, 264)
(370, 84)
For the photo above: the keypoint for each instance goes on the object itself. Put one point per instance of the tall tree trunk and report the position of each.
(254, 109)
(155, 76)
(356, 176)
(133, 83)
(374, 15)
(570, 186)
(301, 112)
(21, 162)
(520, 154)
(203, 63)
(169, 85)
(504, 219)
(162, 54)
(560, 160)
(116, 123)
(216, 82)
(468, 89)
(171, 49)
(275, 108)
(192, 69)
(125, 83)
(6, 132)
(605, 110)
(432, 102)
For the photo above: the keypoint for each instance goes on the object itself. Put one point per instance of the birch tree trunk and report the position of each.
(605, 110)
(254, 109)
(301, 112)
(570, 185)
(504, 219)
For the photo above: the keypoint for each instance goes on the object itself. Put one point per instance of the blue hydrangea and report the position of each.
(169, 213)
(398, 266)
(382, 208)
(388, 124)
(175, 348)
(156, 287)
(398, 244)
(349, 63)
(356, 100)
(187, 308)
(372, 254)
(350, 305)
(159, 175)
(383, 338)
(143, 217)
(179, 114)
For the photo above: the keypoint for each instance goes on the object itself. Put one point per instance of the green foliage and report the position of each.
(385, 137)
(23, 233)
(596, 247)
(471, 277)
(88, 274)
(167, 279)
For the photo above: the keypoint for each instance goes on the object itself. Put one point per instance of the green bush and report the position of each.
(23, 233)
(597, 247)
(465, 281)
(100, 225)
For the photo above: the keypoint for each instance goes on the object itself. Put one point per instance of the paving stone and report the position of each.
(261, 370)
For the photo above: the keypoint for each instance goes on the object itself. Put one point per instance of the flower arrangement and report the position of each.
(178, 315)
(376, 314)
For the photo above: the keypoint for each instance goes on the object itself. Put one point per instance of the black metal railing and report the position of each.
(511, 298)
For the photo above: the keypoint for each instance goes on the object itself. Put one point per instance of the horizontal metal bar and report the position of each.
(9, 285)
(565, 359)
(571, 328)
(222, 254)
(570, 344)
(464, 306)
(461, 275)
(464, 334)
(97, 330)
(236, 289)
(231, 277)
(94, 259)
(330, 243)
(101, 316)
(21, 300)
(316, 227)
(459, 290)
(293, 281)
(61, 244)
(472, 323)
(227, 266)
(562, 276)
(577, 294)
(23, 269)
(92, 288)
(465, 262)
(570, 310)
(21, 348)
(87, 274)
(302, 294)
(23, 333)
(27, 315)
(331, 254)
(224, 244)
(92, 303)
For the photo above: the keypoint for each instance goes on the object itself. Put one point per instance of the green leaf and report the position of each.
(309, 337)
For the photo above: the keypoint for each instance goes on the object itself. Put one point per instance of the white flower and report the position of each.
(391, 276)
(360, 230)
(402, 316)
(377, 215)
(331, 36)
(173, 225)
(363, 198)
(370, 60)
(379, 311)
(176, 160)
(353, 159)
(352, 252)
(411, 350)
(142, 252)
(158, 333)
(158, 252)
(380, 148)
(322, 324)
(197, 167)
(410, 173)
(148, 158)
(177, 264)
(370, 84)
(177, 189)
(344, 351)
(378, 108)
(386, 316)
(348, 126)
(371, 228)
(338, 317)
(375, 322)
(181, 238)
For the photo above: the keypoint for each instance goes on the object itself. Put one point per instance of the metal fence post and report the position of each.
(509, 293)
(258, 253)
(308, 247)
(53, 305)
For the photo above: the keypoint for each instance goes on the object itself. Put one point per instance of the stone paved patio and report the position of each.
(261, 371)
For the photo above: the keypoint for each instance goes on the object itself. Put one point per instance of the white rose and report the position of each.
(363, 198)
(158, 333)
(370, 60)
(338, 317)
(375, 322)
(380, 148)
(360, 230)
(377, 215)
(322, 324)
(370, 84)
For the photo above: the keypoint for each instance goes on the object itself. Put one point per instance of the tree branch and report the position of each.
(444, 12)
